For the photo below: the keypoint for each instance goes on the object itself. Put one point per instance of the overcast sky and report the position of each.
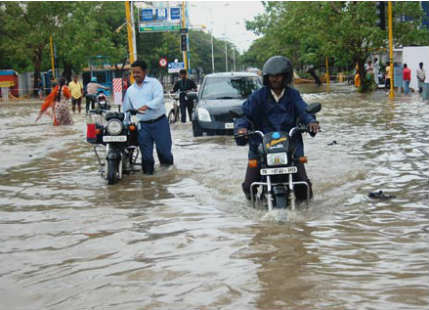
(226, 18)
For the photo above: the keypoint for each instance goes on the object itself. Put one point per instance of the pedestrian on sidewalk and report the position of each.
(421, 77)
(387, 77)
(406, 77)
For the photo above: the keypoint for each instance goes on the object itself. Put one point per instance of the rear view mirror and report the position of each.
(313, 108)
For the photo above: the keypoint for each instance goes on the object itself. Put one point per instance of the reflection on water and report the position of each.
(186, 239)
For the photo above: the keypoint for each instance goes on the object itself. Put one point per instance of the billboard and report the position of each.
(160, 16)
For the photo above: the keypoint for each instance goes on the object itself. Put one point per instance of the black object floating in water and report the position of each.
(380, 195)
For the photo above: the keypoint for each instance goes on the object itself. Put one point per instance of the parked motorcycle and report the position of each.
(105, 128)
(277, 163)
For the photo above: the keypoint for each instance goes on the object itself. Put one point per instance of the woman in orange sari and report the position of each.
(58, 101)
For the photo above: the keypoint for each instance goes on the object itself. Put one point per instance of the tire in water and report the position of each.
(112, 171)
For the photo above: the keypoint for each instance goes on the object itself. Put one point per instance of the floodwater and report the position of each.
(186, 238)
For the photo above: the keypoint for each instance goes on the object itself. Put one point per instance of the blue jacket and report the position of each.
(267, 115)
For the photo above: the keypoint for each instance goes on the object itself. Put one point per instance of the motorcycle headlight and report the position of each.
(276, 159)
(114, 127)
(204, 115)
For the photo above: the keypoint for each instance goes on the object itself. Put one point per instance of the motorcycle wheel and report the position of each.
(280, 202)
(112, 170)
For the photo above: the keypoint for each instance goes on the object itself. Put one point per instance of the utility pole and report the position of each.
(389, 13)
(185, 54)
(226, 57)
(233, 57)
(131, 34)
(213, 68)
(51, 43)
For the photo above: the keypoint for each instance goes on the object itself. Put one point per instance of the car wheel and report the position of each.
(196, 129)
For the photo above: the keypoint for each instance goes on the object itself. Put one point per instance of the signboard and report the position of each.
(175, 67)
(160, 16)
(163, 62)
(7, 83)
(117, 91)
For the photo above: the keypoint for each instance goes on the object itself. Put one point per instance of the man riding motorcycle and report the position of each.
(275, 107)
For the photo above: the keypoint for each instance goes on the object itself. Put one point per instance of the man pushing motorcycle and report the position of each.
(274, 107)
(147, 96)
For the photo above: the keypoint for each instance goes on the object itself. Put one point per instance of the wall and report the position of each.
(412, 56)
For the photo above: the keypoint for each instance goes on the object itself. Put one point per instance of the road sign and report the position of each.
(175, 67)
(7, 83)
(163, 62)
(159, 17)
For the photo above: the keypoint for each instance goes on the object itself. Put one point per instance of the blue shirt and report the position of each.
(268, 115)
(149, 93)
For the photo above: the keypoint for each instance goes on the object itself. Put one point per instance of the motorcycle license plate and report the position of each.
(114, 138)
(282, 170)
(229, 125)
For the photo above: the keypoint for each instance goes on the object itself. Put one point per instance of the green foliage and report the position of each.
(346, 32)
(81, 30)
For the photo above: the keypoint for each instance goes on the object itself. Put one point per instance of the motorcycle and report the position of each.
(102, 102)
(105, 128)
(277, 163)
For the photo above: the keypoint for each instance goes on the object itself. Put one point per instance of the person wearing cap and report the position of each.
(91, 93)
(274, 107)
(147, 96)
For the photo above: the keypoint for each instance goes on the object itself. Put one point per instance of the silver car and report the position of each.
(219, 94)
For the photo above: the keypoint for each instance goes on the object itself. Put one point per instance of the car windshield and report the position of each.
(239, 87)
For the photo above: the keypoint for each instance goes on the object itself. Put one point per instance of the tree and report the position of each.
(344, 31)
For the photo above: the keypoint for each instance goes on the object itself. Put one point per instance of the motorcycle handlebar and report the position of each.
(133, 111)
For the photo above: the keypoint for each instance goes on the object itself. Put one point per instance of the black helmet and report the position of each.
(278, 65)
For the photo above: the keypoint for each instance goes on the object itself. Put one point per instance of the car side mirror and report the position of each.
(313, 108)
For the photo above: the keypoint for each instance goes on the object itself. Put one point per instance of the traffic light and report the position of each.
(381, 15)
(183, 42)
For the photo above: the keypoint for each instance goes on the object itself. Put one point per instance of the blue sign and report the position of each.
(175, 67)
(161, 14)
(147, 15)
(175, 13)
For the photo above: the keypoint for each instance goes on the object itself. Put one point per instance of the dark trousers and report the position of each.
(90, 100)
(186, 105)
(158, 133)
(76, 102)
(387, 84)
(252, 175)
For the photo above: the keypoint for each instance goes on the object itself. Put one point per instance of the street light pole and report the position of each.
(389, 12)
(213, 69)
(233, 57)
(226, 57)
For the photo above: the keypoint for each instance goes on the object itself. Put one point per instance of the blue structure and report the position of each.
(425, 7)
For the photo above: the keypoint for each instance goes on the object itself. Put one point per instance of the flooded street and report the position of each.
(185, 238)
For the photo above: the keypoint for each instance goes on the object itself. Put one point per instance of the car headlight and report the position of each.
(114, 127)
(204, 115)
(276, 159)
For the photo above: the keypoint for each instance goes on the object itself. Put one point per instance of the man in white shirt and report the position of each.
(421, 76)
